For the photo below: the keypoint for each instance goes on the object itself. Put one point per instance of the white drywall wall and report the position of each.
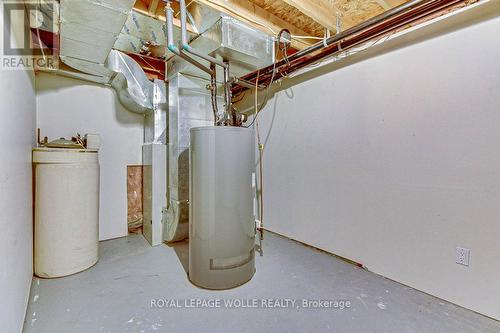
(393, 160)
(66, 106)
(17, 132)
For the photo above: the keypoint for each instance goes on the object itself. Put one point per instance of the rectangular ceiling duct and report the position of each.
(89, 28)
(236, 41)
(244, 47)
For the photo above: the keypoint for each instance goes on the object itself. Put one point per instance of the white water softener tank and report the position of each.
(222, 222)
(66, 211)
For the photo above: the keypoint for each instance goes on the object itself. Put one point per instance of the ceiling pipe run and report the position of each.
(391, 20)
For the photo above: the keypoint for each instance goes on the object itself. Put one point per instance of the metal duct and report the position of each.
(154, 160)
(155, 122)
(189, 106)
(121, 72)
(134, 89)
(147, 34)
(89, 29)
(244, 47)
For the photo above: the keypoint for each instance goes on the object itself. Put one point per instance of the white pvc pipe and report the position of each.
(185, 42)
(169, 13)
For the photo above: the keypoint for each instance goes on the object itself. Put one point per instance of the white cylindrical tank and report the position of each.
(222, 222)
(66, 211)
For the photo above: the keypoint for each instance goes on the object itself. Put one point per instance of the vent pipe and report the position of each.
(169, 13)
(228, 117)
(185, 42)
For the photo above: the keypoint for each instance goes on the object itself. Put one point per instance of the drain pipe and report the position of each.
(169, 13)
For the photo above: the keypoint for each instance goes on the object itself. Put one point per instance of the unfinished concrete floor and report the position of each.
(115, 296)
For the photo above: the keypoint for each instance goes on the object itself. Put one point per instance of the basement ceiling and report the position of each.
(143, 34)
(301, 17)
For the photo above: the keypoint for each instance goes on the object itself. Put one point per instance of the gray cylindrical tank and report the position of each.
(222, 222)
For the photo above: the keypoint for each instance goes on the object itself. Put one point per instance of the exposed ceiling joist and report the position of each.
(301, 17)
(384, 4)
(323, 12)
(291, 15)
(388, 4)
(159, 14)
(395, 3)
(153, 6)
(256, 17)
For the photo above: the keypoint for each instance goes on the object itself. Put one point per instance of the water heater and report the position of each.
(222, 222)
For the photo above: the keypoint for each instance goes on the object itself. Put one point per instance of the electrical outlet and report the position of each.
(462, 256)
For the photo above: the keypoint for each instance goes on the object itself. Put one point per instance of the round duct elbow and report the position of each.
(135, 91)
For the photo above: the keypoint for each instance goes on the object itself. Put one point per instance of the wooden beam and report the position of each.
(321, 11)
(257, 17)
(153, 5)
(388, 4)
(384, 4)
(395, 3)
(160, 16)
